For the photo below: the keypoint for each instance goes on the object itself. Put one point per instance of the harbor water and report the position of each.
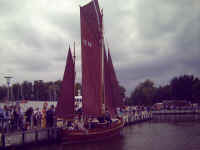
(150, 135)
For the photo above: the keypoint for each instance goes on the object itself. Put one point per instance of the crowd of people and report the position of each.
(12, 118)
(86, 123)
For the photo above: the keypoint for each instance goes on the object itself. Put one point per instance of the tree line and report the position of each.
(184, 87)
(37, 90)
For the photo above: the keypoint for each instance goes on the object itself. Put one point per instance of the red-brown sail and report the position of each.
(91, 58)
(107, 83)
(95, 71)
(117, 100)
(65, 106)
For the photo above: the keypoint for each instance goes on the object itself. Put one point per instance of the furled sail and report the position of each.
(117, 100)
(91, 34)
(65, 106)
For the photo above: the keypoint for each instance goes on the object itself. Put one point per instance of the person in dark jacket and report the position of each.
(50, 116)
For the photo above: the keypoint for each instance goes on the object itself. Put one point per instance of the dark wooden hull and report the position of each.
(92, 135)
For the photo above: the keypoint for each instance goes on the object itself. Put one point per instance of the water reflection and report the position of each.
(113, 144)
(163, 136)
(176, 118)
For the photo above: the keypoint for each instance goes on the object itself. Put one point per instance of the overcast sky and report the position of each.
(148, 39)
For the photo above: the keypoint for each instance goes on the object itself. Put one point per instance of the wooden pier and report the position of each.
(35, 136)
(130, 118)
(162, 115)
(175, 112)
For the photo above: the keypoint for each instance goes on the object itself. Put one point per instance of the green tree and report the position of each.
(16, 88)
(182, 87)
(196, 91)
(58, 88)
(143, 93)
(77, 88)
(122, 91)
(3, 92)
(27, 90)
(163, 93)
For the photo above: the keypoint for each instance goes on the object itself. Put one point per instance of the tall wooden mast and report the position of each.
(74, 71)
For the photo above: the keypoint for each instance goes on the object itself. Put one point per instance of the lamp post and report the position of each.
(8, 78)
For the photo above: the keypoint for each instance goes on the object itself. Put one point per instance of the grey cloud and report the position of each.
(148, 39)
(30, 62)
(34, 64)
(67, 24)
(10, 7)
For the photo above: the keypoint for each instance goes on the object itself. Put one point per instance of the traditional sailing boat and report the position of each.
(100, 89)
